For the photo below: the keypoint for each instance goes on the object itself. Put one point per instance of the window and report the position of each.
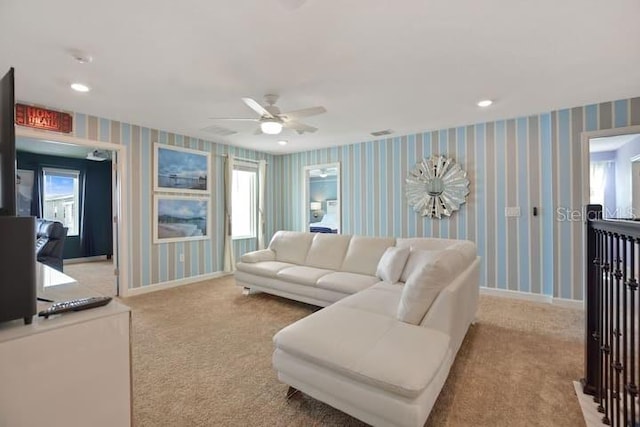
(243, 206)
(61, 200)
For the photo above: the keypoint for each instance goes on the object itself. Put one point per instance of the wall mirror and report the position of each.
(321, 199)
(437, 186)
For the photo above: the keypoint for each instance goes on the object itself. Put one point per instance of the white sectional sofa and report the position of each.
(382, 350)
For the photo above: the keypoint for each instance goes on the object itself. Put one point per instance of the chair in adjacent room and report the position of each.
(50, 237)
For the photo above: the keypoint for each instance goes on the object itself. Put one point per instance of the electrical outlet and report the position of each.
(181, 257)
(512, 211)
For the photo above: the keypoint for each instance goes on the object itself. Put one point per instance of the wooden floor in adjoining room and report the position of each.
(97, 275)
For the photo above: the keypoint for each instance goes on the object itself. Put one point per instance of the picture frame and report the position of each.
(181, 170)
(181, 218)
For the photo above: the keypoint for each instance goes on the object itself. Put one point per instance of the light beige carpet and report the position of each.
(202, 357)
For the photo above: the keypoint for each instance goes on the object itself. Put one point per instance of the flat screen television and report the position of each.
(18, 243)
(7, 146)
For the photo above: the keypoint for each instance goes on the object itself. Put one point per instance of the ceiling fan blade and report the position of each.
(299, 127)
(236, 119)
(304, 112)
(255, 106)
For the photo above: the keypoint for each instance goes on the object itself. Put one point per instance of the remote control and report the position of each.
(74, 305)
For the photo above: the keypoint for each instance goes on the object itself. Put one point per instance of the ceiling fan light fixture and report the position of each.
(271, 127)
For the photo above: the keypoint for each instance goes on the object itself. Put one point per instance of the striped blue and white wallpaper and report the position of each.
(527, 161)
(158, 263)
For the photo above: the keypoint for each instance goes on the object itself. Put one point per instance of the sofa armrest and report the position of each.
(455, 307)
(258, 256)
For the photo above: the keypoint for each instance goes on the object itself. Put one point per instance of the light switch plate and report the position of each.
(512, 211)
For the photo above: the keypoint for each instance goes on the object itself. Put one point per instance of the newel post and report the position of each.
(591, 304)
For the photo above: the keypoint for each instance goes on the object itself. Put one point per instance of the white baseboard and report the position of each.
(528, 296)
(570, 303)
(172, 284)
(85, 259)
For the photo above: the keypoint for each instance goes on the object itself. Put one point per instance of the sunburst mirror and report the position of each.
(437, 186)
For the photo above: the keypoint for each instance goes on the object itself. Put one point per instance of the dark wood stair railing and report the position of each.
(611, 318)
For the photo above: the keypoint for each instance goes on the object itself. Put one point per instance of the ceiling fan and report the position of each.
(272, 120)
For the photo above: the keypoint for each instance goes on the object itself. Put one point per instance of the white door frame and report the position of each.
(634, 185)
(120, 191)
(586, 136)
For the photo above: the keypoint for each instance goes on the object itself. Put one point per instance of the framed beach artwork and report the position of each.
(181, 170)
(181, 218)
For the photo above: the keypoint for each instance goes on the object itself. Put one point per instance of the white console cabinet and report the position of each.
(72, 369)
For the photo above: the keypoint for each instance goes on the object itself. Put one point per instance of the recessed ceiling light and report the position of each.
(282, 142)
(79, 87)
(485, 103)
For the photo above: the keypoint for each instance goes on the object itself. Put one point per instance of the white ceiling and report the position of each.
(52, 148)
(610, 143)
(409, 66)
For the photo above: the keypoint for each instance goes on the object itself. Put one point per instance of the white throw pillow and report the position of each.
(423, 286)
(418, 258)
(391, 264)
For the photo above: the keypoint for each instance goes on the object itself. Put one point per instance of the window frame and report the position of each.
(253, 169)
(69, 173)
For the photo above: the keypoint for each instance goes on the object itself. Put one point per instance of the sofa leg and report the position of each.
(292, 392)
(246, 291)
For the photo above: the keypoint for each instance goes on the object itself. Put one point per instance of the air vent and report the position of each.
(219, 130)
(382, 132)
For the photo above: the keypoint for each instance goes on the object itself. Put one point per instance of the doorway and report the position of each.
(321, 198)
(614, 174)
(106, 274)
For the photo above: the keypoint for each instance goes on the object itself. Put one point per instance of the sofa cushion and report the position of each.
(327, 250)
(302, 274)
(264, 268)
(466, 248)
(364, 253)
(424, 284)
(257, 256)
(291, 246)
(391, 264)
(348, 283)
(429, 243)
(381, 298)
(370, 348)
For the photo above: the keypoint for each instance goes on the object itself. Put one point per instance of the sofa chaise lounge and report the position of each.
(397, 311)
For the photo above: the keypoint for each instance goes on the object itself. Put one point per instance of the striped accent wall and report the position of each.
(527, 161)
(158, 263)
